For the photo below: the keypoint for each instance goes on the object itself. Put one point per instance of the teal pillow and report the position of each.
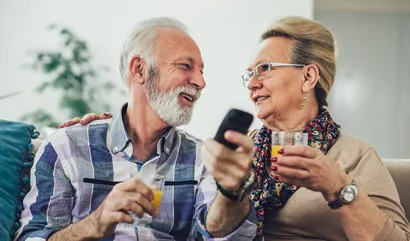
(15, 157)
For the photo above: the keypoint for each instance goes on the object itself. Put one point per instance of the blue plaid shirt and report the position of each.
(102, 150)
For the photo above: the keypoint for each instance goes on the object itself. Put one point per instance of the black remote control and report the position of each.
(236, 120)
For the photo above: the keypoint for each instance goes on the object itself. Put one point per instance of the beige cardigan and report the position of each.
(306, 215)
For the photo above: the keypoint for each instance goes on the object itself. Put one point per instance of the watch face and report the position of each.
(349, 194)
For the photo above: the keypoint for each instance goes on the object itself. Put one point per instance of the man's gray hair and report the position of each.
(141, 42)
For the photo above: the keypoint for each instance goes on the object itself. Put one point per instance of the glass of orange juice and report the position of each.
(281, 139)
(152, 180)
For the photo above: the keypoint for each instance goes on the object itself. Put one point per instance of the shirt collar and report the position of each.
(119, 135)
(122, 142)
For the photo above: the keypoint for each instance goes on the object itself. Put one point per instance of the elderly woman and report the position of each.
(336, 188)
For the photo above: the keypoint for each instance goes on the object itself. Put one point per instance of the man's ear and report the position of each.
(136, 69)
(311, 77)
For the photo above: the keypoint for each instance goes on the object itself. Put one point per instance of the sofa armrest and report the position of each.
(399, 170)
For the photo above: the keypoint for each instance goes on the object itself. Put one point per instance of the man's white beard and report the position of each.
(167, 105)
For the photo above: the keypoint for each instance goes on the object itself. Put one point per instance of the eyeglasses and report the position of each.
(263, 70)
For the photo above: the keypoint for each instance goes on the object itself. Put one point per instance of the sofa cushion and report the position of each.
(15, 157)
(400, 171)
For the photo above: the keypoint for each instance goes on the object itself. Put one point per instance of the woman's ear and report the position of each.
(136, 69)
(311, 77)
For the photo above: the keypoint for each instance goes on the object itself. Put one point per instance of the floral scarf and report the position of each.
(268, 192)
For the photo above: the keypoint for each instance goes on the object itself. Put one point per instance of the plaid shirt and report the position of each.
(102, 150)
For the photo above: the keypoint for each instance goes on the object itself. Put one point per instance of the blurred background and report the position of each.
(59, 59)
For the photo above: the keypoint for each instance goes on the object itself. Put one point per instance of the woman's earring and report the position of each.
(302, 106)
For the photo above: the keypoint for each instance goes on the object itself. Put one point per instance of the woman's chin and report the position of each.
(264, 113)
(261, 114)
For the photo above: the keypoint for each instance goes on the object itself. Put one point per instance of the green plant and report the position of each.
(70, 71)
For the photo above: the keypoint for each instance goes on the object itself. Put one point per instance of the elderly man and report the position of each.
(162, 67)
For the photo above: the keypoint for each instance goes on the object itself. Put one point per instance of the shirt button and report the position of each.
(116, 148)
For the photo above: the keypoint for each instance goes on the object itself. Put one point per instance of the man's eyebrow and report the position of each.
(191, 61)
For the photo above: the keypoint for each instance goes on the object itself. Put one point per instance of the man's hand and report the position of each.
(229, 168)
(86, 119)
(132, 195)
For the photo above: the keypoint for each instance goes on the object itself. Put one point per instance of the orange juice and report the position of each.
(274, 153)
(274, 150)
(157, 198)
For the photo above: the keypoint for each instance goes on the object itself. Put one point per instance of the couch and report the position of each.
(25, 145)
(400, 171)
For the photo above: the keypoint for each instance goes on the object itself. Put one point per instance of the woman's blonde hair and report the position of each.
(312, 43)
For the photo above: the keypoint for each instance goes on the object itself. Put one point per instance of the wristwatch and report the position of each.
(346, 196)
(241, 193)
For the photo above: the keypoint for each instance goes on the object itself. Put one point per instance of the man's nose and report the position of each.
(198, 80)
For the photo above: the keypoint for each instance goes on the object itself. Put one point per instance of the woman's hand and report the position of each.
(86, 119)
(308, 167)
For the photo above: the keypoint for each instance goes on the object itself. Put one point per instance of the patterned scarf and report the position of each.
(268, 192)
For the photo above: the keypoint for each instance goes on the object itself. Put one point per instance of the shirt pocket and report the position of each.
(89, 197)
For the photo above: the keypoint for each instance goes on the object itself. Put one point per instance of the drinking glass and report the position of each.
(281, 139)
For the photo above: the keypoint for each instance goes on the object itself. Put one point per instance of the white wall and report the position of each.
(371, 96)
(226, 31)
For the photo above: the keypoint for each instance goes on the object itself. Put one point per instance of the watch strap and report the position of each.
(227, 193)
(242, 191)
(336, 204)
